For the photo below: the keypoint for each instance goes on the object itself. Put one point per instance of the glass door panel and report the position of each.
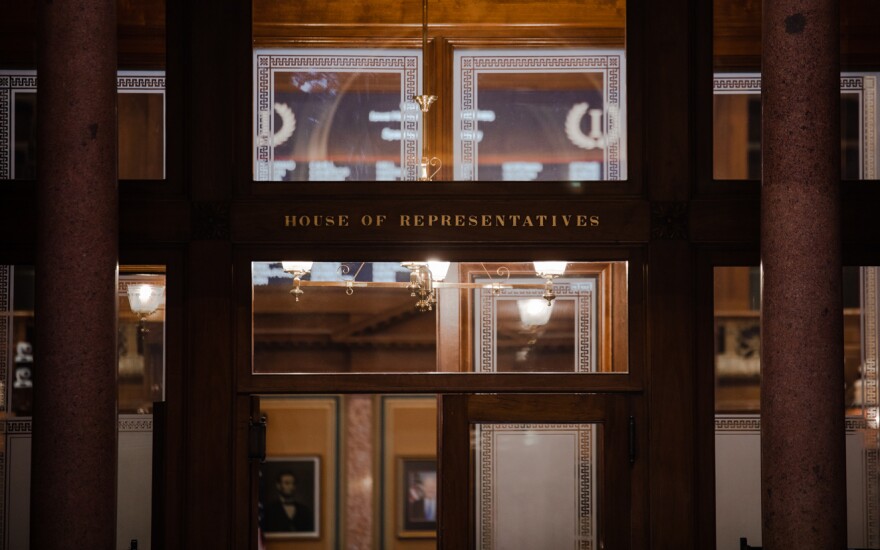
(542, 471)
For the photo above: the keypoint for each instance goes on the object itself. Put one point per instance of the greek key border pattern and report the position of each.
(872, 335)
(585, 481)
(864, 85)
(125, 423)
(265, 66)
(5, 333)
(19, 426)
(610, 65)
(26, 81)
(870, 312)
(745, 423)
(583, 336)
(127, 280)
(872, 512)
(752, 423)
(5, 131)
(750, 83)
(869, 127)
(135, 423)
(5, 288)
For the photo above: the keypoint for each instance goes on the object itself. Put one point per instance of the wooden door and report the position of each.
(535, 471)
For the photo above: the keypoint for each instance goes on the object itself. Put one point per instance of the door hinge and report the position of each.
(632, 439)
(257, 439)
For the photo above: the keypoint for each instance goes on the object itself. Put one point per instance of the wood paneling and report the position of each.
(140, 32)
(737, 27)
(404, 17)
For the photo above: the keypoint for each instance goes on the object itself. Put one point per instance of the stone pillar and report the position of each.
(802, 408)
(73, 479)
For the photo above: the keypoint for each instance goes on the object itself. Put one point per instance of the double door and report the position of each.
(451, 471)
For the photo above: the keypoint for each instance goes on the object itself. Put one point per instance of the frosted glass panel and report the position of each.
(518, 331)
(536, 486)
(335, 115)
(737, 126)
(540, 115)
(141, 111)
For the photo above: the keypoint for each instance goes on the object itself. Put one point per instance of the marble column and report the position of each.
(802, 389)
(73, 487)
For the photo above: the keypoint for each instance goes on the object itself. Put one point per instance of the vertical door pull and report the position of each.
(632, 439)
(257, 439)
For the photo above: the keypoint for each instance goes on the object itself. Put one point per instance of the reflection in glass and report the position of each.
(17, 329)
(536, 485)
(401, 317)
(737, 404)
(540, 115)
(738, 340)
(336, 115)
(141, 341)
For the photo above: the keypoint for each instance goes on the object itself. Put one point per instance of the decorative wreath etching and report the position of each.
(288, 124)
(573, 127)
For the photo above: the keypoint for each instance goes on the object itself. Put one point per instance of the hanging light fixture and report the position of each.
(549, 271)
(425, 277)
(428, 167)
(144, 299)
(298, 270)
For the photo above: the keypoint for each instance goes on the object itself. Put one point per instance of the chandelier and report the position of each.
(425, 277)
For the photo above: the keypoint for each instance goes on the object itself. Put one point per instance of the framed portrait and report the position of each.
(290, 500)
(417, 497)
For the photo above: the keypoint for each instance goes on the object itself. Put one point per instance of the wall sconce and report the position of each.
(298, 270)
(144, 300)
(549, 271)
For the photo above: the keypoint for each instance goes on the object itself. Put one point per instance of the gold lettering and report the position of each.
(343, 220)
(404, 220)
(380, 219)
(486, 220)
(566, 219)
(499, 220)
(594, 221)
(459, 220)
(445, 220)
(527, 222)
(582, 220)
(541, 219)
(432, 219)
(419, 220)
(366, 220)
(472, 221)
(515, 219)
(330, 221)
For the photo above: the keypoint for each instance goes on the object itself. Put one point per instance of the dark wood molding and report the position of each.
(669, 220)
(210, 221)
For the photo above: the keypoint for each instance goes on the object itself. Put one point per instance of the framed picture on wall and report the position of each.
(290, 497)
(417, 497)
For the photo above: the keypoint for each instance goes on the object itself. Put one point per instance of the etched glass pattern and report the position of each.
(336, 115)
(544, 115)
